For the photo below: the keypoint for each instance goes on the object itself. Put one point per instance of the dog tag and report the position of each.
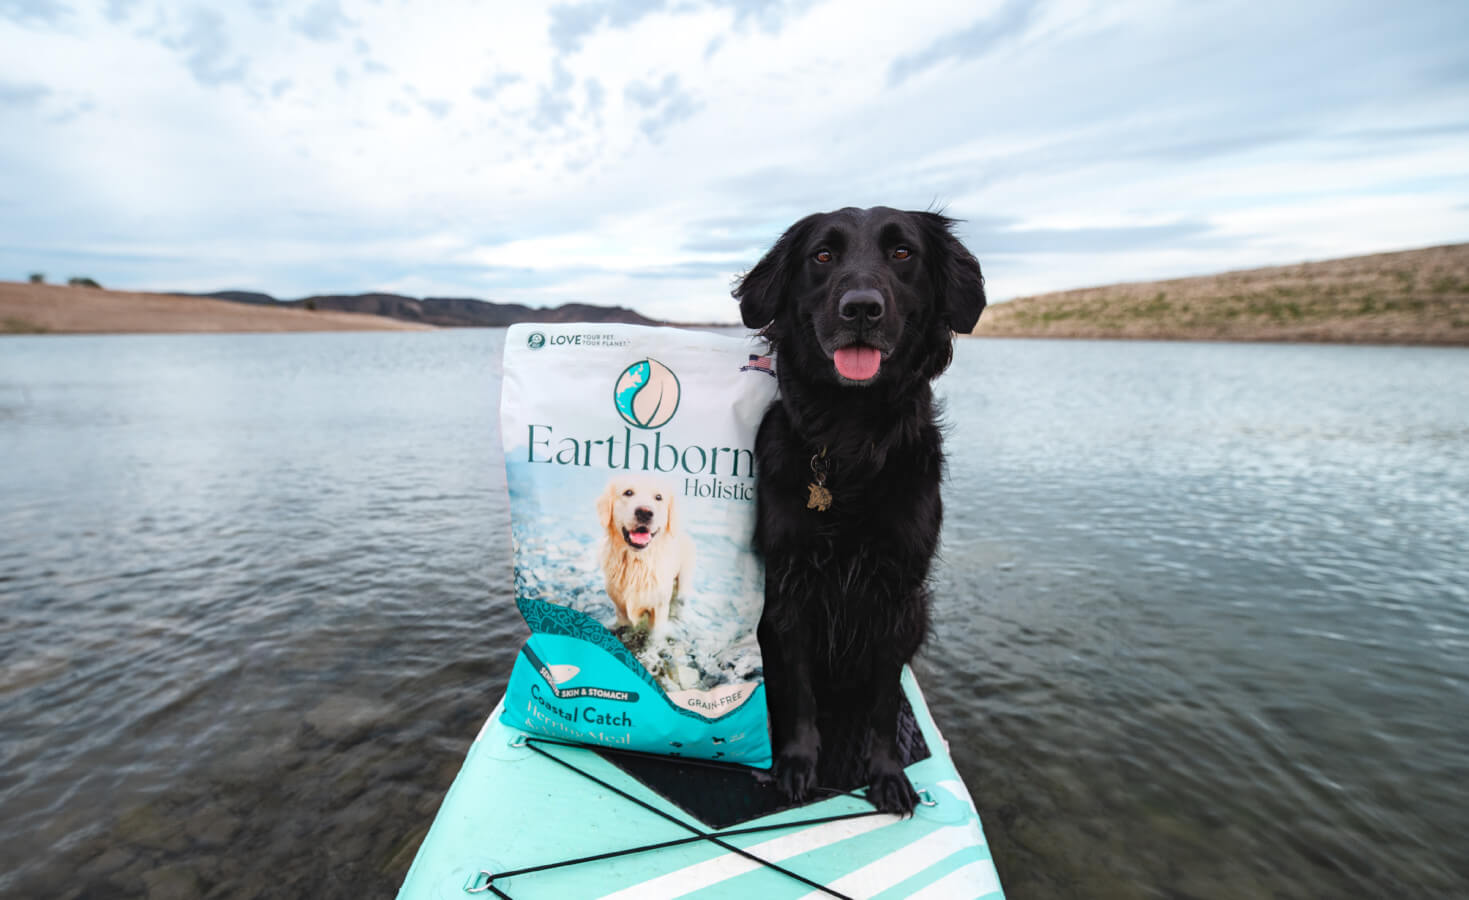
(820, 499)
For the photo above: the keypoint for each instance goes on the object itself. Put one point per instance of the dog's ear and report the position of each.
(762, 290)
(672, 525)
(956, 276)
(604, 508)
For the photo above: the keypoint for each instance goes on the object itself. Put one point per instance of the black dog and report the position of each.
(861, 306)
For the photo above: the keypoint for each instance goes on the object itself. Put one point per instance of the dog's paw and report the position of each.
(891, 792)
(795, 775)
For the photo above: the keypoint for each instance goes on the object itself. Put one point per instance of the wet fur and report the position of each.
(846, 593)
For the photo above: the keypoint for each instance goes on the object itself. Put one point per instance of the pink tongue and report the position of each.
(857, 362)
(641, 538)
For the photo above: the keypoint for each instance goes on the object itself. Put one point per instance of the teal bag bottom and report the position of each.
(570, 689)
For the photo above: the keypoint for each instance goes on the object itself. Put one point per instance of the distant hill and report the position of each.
(69, 309)
(1411, 297)
(442, 311)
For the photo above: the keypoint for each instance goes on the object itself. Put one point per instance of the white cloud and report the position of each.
(643, 153)
(323, 21)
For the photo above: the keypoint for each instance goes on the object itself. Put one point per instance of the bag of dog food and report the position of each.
(630, 461)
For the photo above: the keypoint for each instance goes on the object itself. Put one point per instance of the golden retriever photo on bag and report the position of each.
(646, 558)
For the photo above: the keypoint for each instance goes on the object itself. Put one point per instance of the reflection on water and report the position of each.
(1201, 619)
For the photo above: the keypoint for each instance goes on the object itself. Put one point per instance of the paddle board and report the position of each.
(531, 818)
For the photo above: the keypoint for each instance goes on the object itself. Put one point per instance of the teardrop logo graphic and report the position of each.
(646, 394)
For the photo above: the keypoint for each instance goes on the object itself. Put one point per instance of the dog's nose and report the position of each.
(643, 514)
(861, 305)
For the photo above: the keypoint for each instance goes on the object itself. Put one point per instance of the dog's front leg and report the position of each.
(792, 706)
(888, 787)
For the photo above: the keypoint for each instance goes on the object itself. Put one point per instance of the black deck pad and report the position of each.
(722, 796)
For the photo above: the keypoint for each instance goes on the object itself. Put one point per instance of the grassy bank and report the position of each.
(1412, 297)
(46, 309)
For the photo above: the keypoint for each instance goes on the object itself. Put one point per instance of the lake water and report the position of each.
(1202, 620)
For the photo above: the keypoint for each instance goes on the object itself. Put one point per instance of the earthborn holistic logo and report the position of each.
(646, 394)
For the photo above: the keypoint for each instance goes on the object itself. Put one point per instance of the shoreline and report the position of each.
(1284, 340)
(1406, 298)
(44, 309)
(1417, 298)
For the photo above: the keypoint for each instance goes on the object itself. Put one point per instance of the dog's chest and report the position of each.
(855, 608)
(876, 537)
(843, 498)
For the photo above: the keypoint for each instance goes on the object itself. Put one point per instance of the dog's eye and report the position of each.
(627, 493)
(822, 256)
(902, 253)
(658, 497)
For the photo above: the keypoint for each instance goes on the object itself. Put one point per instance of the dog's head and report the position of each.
(860, 292)
(636, 511)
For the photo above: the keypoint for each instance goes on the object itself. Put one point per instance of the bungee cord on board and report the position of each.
(484, 880)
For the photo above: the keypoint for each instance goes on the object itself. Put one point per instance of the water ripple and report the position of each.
(1200, 619)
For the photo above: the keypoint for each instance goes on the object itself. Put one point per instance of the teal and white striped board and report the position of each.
(513, 808)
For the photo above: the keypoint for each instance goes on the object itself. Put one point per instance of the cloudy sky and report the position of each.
(644, 152)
